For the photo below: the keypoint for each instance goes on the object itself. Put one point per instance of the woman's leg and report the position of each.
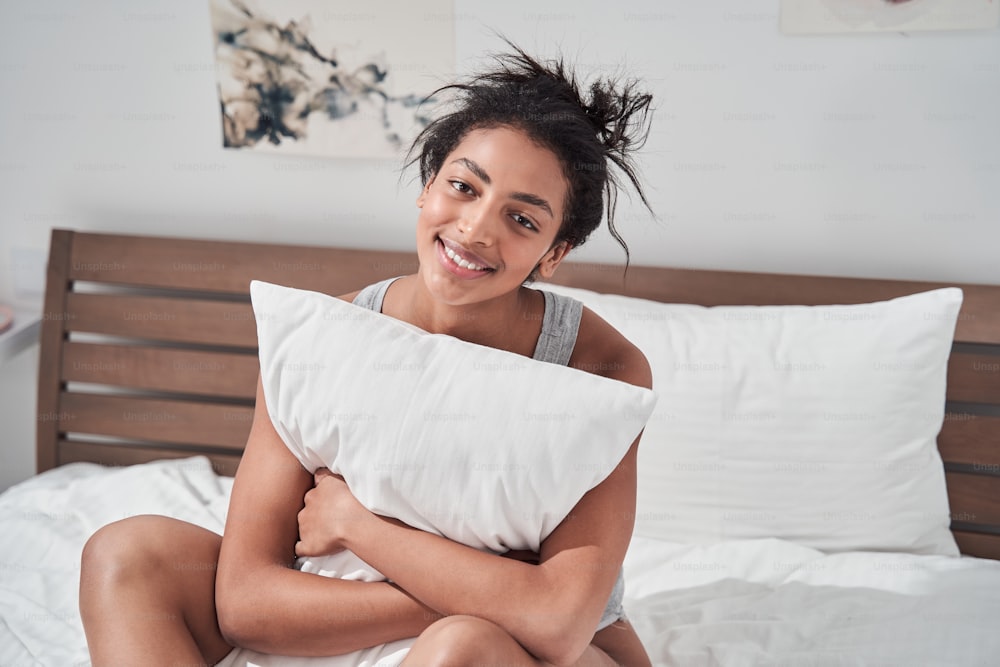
(620, 641)
(147, 593)
(460, 641)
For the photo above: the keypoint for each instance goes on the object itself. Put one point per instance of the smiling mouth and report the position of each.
(458, 260)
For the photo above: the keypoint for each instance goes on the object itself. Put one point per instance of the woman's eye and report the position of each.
(461, 187)
(524, 222)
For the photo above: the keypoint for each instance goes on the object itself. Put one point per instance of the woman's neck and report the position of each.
(511, 321)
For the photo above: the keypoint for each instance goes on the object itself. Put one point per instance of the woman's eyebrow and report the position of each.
(525, 197)
(474, 168)
(534, 200)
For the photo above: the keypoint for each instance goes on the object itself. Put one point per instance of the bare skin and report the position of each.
(214, 593)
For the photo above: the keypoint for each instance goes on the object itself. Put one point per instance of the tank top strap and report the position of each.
(560, 325)
(372, 296)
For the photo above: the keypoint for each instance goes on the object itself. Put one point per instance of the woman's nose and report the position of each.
(476, 225)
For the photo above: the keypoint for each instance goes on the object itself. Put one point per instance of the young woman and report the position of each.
(513, 179)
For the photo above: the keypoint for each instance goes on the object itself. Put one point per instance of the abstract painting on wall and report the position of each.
(842, 16)
(313, 77)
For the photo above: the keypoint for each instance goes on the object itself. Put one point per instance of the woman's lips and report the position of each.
(460, 261)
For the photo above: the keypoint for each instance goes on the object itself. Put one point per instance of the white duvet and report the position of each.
(756, 602)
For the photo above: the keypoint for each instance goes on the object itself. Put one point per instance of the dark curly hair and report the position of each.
(545, 101)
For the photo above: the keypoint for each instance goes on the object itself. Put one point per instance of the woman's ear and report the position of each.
(423, 193)
(553, 258)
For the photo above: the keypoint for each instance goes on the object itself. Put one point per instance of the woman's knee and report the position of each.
(120, 550)
(461, 640)
(125, 552)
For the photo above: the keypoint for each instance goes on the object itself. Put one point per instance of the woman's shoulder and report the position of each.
(603, 350)
(350, 296)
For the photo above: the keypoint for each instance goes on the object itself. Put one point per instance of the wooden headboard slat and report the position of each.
(974, 377)
(980, 545)
(125, 454)
(974, 499)
(163, 318)
(223, 266)
(174, 421)
(162, 369)
(971, 439)
(979, 321)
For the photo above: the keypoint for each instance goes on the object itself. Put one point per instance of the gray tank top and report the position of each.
(560, 325)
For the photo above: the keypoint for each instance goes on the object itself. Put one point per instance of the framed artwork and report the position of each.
(313, 77)
(842, 16)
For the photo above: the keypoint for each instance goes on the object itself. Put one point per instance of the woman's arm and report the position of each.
(264, 605)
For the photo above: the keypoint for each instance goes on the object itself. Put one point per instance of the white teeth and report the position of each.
(453, 256)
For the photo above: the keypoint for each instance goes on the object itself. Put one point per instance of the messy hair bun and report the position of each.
(545, 100)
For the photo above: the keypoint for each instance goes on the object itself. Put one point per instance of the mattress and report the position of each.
(735, 603)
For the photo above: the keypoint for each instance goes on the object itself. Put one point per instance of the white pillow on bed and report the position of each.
(815, 424)
(486, 447)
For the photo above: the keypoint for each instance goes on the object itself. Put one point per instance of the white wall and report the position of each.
(875, 155)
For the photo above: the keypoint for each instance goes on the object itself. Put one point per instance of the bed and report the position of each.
(145, 396)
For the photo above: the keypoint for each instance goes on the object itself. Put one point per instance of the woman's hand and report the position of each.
(330, 511)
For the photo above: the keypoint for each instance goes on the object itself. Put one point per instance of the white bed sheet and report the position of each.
(759, 602)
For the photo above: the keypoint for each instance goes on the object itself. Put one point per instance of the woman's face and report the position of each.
(490, 216)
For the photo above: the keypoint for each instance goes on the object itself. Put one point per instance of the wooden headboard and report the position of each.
(148, 348)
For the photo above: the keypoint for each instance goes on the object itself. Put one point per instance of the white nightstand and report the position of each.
(23, 333)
